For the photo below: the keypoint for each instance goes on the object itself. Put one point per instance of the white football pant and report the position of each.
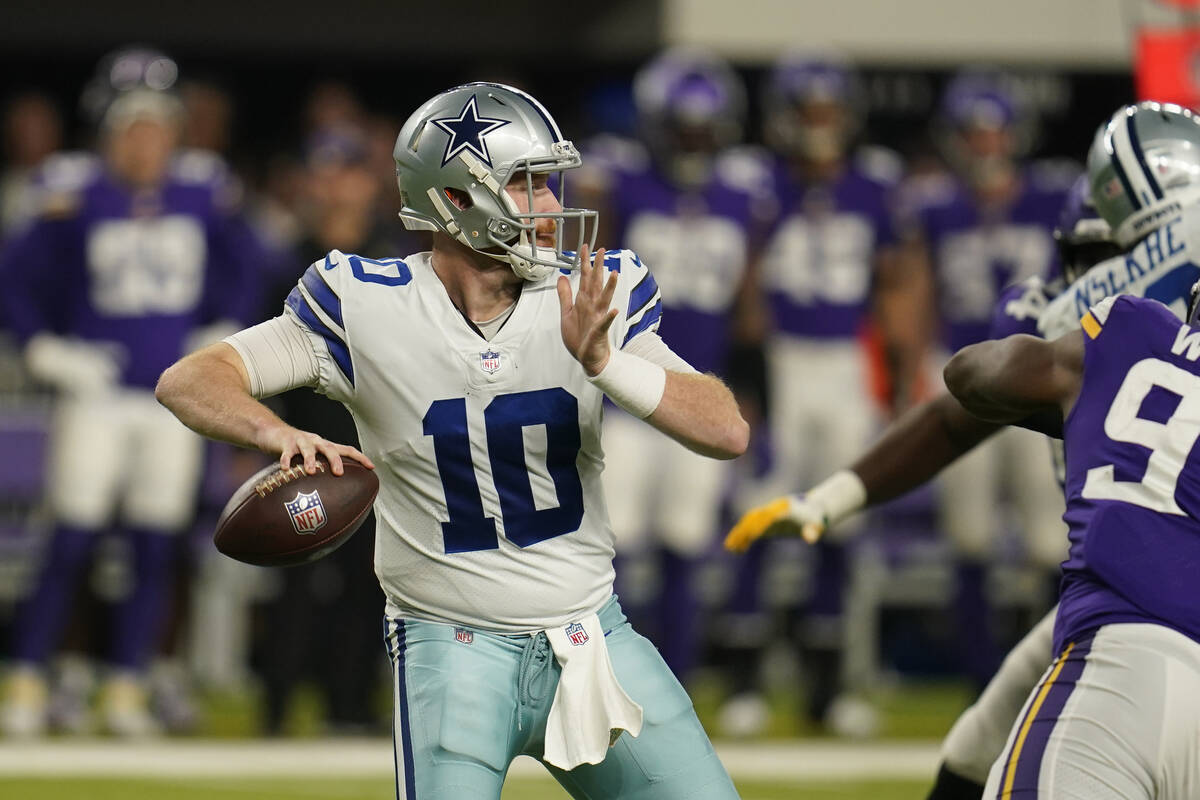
(655, 486)
(1113, 718)
(122, 456)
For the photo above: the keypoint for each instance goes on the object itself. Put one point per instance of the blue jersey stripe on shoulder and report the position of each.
(337, 347)
(329, 302)
(648, 320)
(642, 294)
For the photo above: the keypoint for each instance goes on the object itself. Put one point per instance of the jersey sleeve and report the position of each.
(639, 295)
(35, 266)
(1093, 321)
(1018, 309)
(316, 304)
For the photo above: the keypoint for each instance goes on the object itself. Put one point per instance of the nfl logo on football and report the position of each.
(489, 362)
(307, 510)
(576, 634)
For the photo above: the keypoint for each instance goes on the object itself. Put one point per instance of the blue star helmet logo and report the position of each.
(467, 131)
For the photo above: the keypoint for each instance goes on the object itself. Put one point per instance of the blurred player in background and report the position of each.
(135, 256)
(694, 208)
(32, 130)
(825, 270)
(984, 227)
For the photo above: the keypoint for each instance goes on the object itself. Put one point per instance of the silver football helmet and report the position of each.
(1144, 168)
(454, 157)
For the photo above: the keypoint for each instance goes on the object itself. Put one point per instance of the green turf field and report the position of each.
(262, 789)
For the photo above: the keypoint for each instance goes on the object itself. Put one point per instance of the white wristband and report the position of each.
(839, 496)
(633, 383)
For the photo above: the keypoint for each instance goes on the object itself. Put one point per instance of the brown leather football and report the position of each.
(282, 517)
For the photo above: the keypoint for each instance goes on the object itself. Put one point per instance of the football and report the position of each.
(283, 517)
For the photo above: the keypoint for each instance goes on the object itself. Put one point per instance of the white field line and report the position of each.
(368, 758)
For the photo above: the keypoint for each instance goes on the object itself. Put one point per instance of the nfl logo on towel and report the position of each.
(489, 362)
(308, 512)
(576, 634)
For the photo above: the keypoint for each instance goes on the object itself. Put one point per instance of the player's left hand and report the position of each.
(586, 318)
(789, 514)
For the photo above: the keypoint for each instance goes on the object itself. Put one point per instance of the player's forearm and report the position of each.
(917, 446)
(700, 412)
(209, 395)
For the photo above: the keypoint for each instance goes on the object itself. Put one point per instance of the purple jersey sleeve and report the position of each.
(1133, 474)
(37, 273)
(1018, 309)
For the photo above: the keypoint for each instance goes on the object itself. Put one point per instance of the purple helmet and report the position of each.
(979, 99)
(690, 105)
(983, 127)
(1083, 238)
(131, 80)
(812, 106)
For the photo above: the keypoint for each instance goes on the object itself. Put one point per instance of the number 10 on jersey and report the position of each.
(505, 419)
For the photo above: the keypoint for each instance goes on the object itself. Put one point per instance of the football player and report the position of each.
(475, 374)
(1114, 715)
(980, 229)
(825, 270)
(934, 434)
(695, 209)
(135, 255)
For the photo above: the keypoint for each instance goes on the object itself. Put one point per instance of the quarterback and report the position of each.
(475, 374)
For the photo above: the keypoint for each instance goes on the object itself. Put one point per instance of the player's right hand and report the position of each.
(791, 514)
(290, 442)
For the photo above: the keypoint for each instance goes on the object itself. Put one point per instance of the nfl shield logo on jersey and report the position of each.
(576, 634)
(489, 362)
(463, 635)
(308, 512)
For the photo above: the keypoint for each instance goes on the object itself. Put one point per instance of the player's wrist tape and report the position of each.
(633, 383)
(839, 495)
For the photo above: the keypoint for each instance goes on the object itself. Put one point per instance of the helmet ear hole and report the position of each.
(458, 197)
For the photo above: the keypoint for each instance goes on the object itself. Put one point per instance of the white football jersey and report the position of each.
(1162, 267)
(490, 510)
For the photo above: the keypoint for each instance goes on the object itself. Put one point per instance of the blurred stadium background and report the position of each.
(302, 101)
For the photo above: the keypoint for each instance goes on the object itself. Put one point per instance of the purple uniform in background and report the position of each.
(819, 266)
(697, 245)
(974, 257)
(1133, 476)
(138, 270)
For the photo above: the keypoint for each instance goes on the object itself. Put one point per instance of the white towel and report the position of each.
(590, 709)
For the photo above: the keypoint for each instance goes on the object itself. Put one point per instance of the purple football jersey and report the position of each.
(136, 270)
(819, 264)
(974, 257)
(697, 244)
(1133, 474)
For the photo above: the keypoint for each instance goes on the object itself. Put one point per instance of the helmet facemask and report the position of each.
(529, 259)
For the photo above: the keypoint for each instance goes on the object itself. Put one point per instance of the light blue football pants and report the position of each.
(468, 702)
